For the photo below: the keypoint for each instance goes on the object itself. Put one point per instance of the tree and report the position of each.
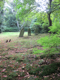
(49, 13)
(21, 32)
(40, 22)
(52, 7)
(25, 7)
(1, 3)
(23, 10)
(10, 21)
(1, 13)
(29, 32)
(51, 43)
(55, 22)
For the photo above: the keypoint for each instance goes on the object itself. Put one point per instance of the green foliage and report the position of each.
(35, 26)
(23, 8)
(4, 54)
(12, 76)
(10, 20)
(45, 70)
(50, 44)
(19, 59)
(1, 3)
(55, 22)
(25, 12)
(11, 29)
(49, 69)
(1, 19)
(54, 28)
(31, 78)
(52, 56)
(45, 27)
(40, 22)
(28, 67)
(0, 16)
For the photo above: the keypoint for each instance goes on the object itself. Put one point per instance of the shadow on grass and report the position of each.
(45, 70)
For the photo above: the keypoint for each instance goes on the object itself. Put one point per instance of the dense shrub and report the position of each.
(11, 29)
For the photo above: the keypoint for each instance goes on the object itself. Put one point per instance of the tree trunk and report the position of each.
(49, 13)
(0, 30)
(21, 32)
(29, 32)
(50, 21)
(1, 19)
(18, 25)
(36, 31)
(49, 18)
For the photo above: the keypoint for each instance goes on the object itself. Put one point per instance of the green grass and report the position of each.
(4, 54)
(13, 34)
(9, 33)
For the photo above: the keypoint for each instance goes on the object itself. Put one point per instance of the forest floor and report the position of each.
(17, 61)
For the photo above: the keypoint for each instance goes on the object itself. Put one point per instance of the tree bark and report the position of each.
(36, 31)
(0, 28)
(29, 32)
(49, 19)
(21, 32)
(49, 13)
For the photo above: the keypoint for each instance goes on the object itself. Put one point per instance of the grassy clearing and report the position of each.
(17, 61)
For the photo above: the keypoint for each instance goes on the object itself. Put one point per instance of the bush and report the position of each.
(11, 29)
(50, 44)
(55, 27)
